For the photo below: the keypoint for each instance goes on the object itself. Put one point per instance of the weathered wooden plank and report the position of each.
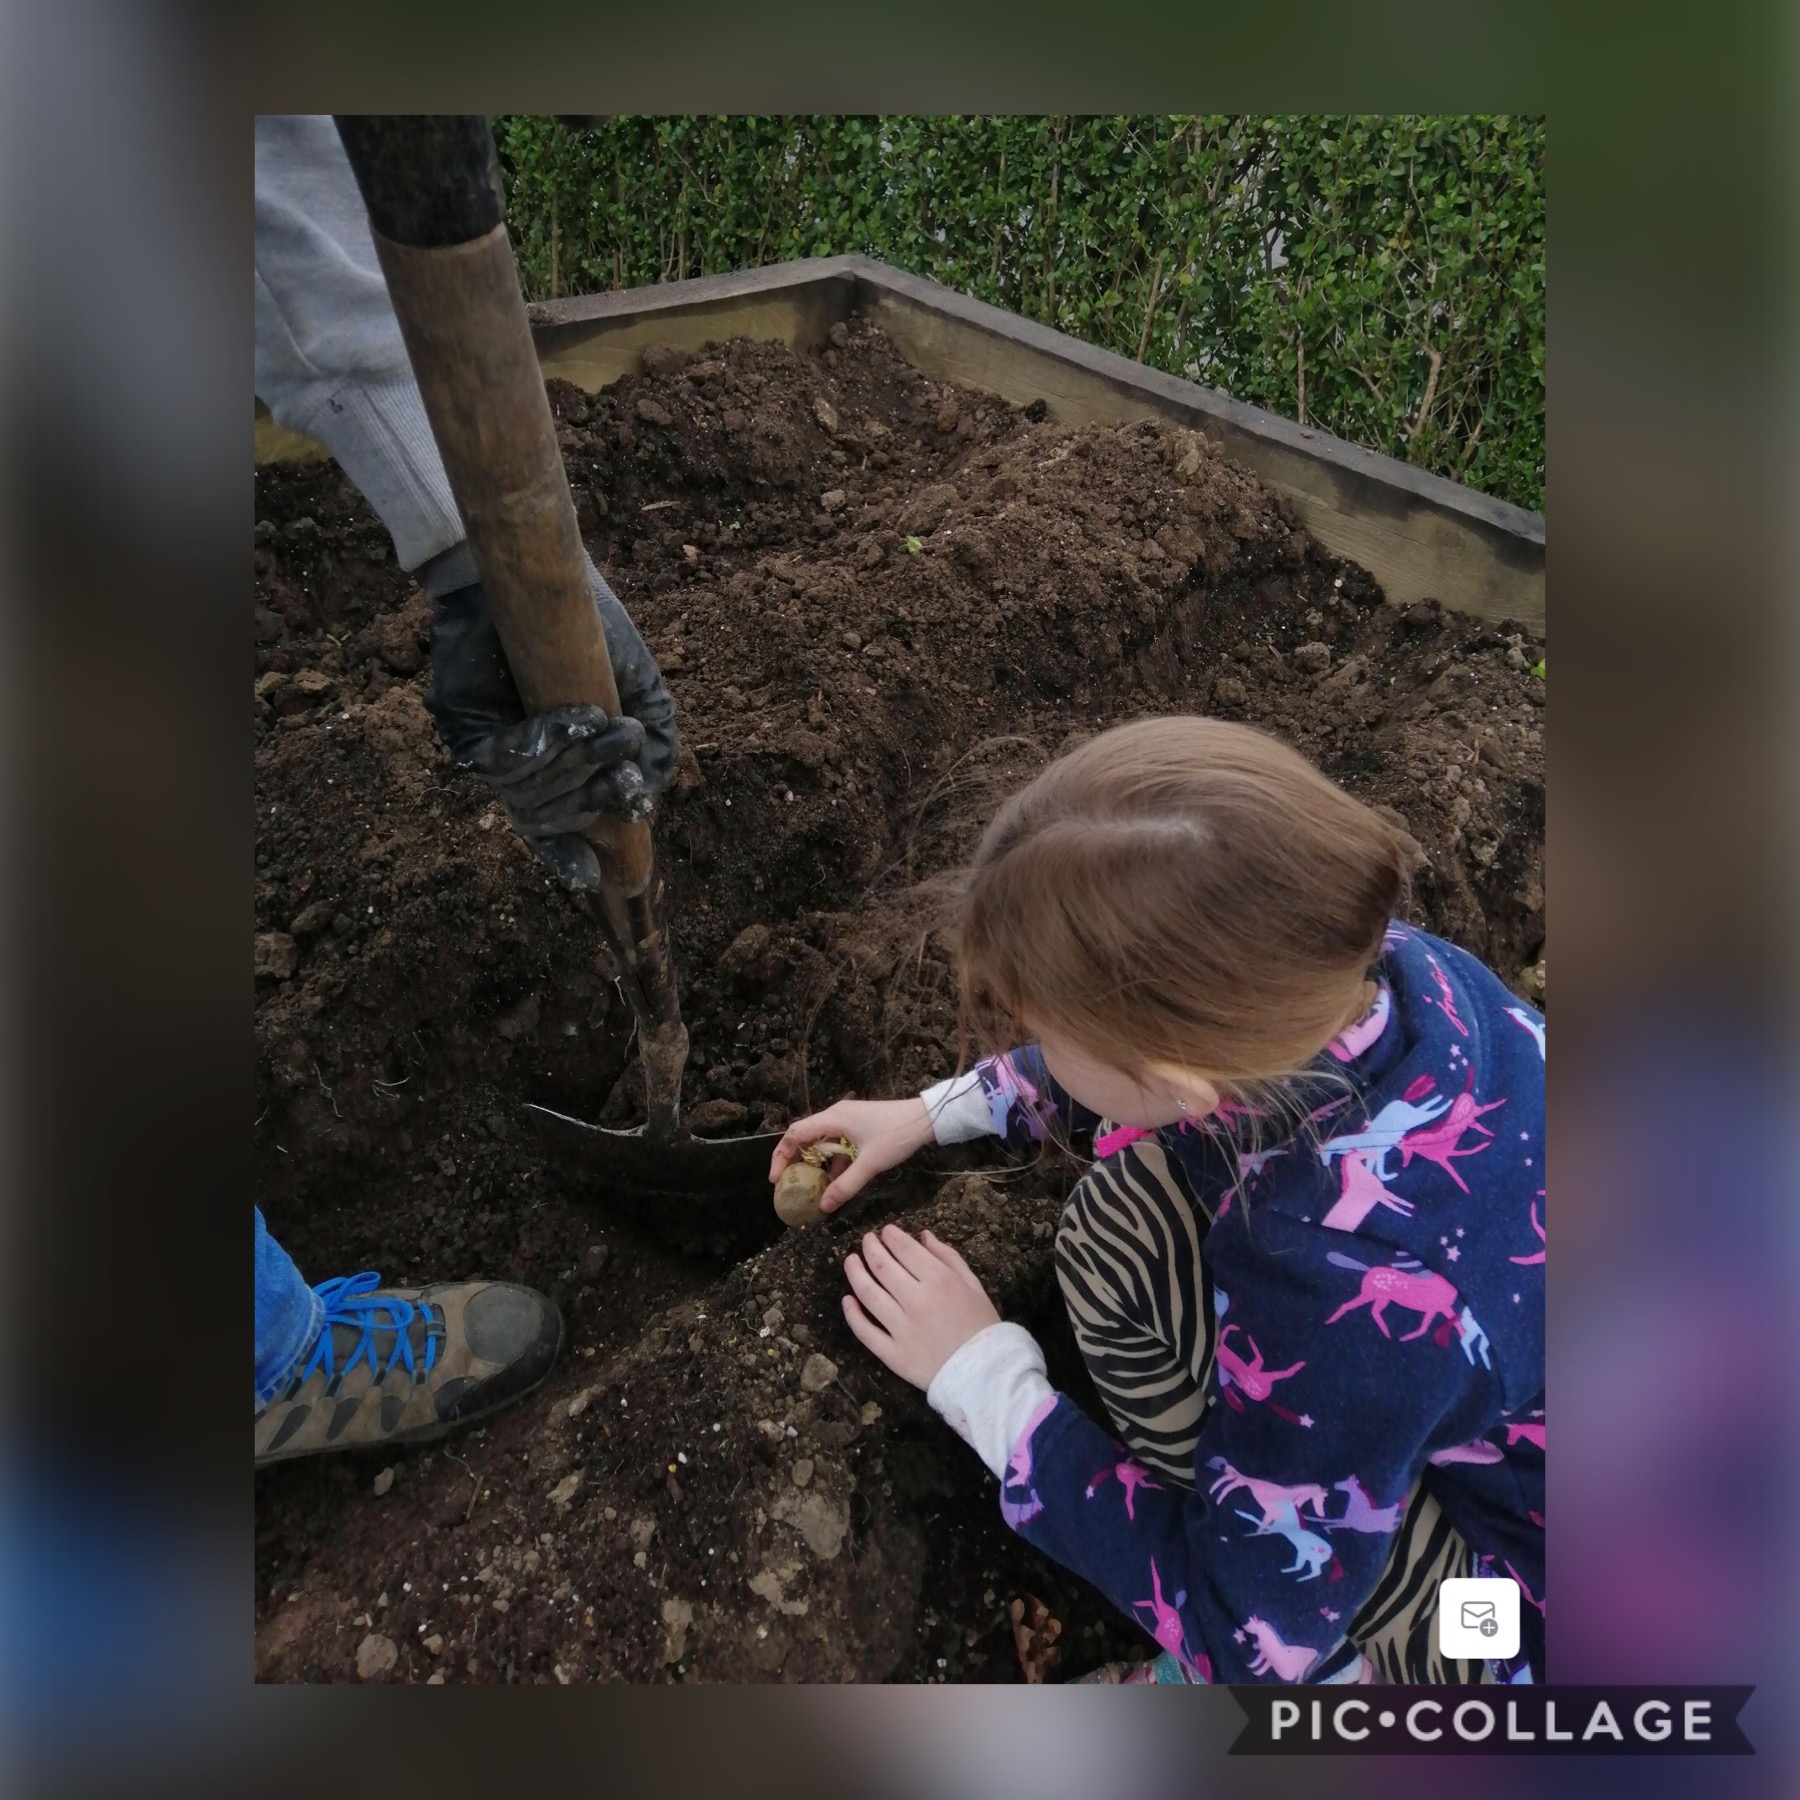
(593, 348)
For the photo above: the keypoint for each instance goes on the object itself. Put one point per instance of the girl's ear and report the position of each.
(1196, 1096)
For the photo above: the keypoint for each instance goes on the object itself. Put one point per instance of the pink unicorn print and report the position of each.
(1311, 1552)
(1537, 1226)
(1250, 1378)
(1447, 1000)
(1361, 1513)
(1438, 1142)
(1362, 1192)
(1229, 1109)
(1415, 1288)
(1523, 1589)
(1168, 1628)
(1526, 1022)
(1384, 1132)
(1271, 1496)
(1132, 1476)
(1531, 1432)
(1477, 1451)
(1286, 1662)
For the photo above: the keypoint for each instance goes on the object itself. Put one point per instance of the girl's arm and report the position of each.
(1011, 1097)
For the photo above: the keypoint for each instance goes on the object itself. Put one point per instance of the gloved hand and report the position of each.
(558, 771)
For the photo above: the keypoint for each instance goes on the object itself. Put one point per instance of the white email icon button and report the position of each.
(1478, 1618)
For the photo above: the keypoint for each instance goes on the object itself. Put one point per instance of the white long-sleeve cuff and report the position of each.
(958, 1109)
(987, 1392)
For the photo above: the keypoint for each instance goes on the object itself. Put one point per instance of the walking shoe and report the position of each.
(395, 1366)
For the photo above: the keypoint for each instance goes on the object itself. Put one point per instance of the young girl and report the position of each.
(1307, 1268)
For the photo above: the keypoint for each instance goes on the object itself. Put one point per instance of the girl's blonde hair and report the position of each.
(1183, 891)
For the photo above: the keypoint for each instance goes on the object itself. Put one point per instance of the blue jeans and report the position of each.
(288, 1315)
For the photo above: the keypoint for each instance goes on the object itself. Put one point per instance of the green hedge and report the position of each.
(1382, 278)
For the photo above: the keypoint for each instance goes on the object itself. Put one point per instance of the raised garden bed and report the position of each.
(881, 601)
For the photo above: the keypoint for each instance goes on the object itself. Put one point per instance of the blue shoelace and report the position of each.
(349, 1300)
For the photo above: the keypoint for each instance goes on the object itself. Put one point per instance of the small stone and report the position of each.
(594, 1259)
(566, 1489)
(948, 417)
(802, 1472)
(1314, 659)
(839, 335)
(774, 1318)
(1531, 982)
(376, 1656)
(434, 1645)
(826, 414)
(817, 1373)
(712, 1117)
(383, 1482)
(521, 1020)
(823, 1522)
(662, 359)
(640, 1559)
(653, 412)
(643, 1529)
(311, 920)
(678, 1615)
(435, 1678)
(277, 955)
(579, 1404)
(753, 957)
(609, 1512)
(834, 500)
(870, 1412)
(769, 1429)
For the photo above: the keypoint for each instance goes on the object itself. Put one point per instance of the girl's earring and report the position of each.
(1182, 1105)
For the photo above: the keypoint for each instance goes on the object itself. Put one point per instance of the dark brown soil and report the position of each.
(880, 603)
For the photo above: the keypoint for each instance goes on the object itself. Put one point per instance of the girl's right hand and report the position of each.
(885, 1133)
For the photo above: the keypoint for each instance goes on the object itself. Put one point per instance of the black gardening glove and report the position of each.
(556, 772)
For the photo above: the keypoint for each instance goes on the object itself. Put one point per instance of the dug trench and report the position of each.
(880, 603)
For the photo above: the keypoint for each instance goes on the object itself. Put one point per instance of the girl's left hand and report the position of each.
(913, 1302)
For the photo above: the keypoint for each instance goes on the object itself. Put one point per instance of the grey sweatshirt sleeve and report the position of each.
(329, 357)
